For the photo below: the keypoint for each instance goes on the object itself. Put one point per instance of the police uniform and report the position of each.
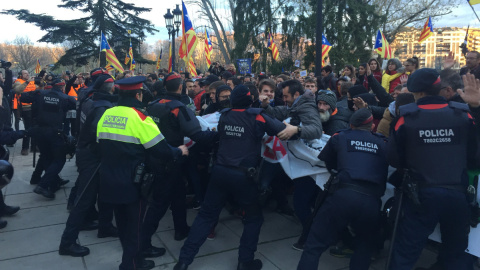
(435, 141)
(126, 135)
(49, 107)
(241, 130)
(84, 195)
(175, 121)
(359, 156)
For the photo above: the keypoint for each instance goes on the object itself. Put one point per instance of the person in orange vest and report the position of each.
(72, 88)
(24, 84)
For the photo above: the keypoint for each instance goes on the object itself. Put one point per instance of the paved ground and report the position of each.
(31, 239)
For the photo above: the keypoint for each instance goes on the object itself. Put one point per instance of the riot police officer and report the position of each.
(175, 121)
(50, 107)
(126, 135)
(359, 157)
(435, 142)
(241, 129)
(88, 162)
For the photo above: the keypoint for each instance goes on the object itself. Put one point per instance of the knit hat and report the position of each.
(357, 90)
(361, 117)
(329, 97)
(240, 97)
(423, 79)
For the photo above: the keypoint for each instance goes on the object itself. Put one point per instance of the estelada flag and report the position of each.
(111, 58)
(427, 30)
(271, 46)
(189, 37)
(473, 2)
(326, 47)
(382, 47)
(208, 49)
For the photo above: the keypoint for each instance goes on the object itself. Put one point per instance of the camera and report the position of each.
(5, 64)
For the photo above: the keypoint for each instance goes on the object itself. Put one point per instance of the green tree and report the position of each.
(112, 17)
(349, 25)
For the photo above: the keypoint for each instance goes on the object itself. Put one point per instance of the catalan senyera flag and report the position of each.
(111, 58)
(159, 59)
(208, 49)
(192, 68)
(382, 47)
(427, 30)
(473, 2)
(272, 47)
(38, 67)
(170, 59)
(189, 37)
(326, 47)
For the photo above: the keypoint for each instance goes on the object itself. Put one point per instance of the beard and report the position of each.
(324, 116)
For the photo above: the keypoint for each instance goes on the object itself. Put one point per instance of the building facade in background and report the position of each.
(431, 52)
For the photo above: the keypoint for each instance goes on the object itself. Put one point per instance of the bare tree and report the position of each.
(401, 13)
(24, 53)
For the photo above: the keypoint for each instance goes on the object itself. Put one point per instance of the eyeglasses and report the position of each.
(224, 97)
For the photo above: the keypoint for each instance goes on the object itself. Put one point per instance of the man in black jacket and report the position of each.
(333, 118)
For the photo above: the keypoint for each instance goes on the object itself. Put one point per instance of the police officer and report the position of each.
(241, 130)
(175, 121)
(359, 157)
(7, 136)
(88, 161)
(435, 141)
(49, 107)
(126, 136)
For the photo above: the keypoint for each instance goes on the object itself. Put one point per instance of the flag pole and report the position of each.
(474, 12)
(100, 51)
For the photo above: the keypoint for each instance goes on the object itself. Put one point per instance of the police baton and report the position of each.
(34, 152)
(397, 217)
(77, 199)
(318, 204)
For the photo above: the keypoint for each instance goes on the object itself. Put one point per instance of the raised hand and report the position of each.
(471, 93)
(449, 60)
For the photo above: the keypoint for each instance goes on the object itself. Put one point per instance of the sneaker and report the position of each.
(341, 252)
(212, 235)
(194, 204)
(298, 246)
(24, 152)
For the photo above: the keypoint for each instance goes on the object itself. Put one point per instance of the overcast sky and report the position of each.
(11, 27)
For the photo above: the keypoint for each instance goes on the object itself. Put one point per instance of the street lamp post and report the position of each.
(173, 22)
